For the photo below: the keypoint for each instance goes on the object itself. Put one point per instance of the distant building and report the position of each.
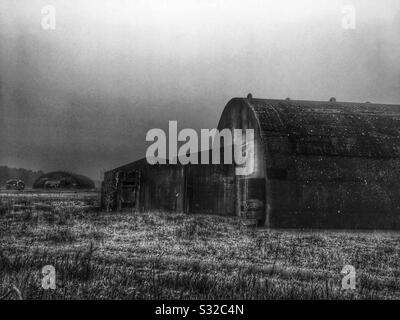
(63, 180)
(15, 184)
(317, 165)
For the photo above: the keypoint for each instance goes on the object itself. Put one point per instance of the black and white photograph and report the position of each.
(217, 152)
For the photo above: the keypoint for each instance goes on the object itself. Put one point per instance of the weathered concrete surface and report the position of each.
(327, 164)
(210, 189)
(155, 187)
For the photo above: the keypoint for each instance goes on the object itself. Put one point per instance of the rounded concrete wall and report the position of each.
(324, 164)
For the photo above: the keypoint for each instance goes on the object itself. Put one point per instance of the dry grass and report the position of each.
(175, 256)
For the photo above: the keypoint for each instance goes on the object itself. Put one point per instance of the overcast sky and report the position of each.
(82, 97)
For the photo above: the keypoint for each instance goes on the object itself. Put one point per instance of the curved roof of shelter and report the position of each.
(329, 128)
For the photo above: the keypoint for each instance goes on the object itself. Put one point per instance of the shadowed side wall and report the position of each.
(162, 187)
(210, 188)
(153, 187)
(331, 164)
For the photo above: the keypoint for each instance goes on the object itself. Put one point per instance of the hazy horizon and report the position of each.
(81, 98)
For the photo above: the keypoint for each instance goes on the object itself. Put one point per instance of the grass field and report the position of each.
(156, 255)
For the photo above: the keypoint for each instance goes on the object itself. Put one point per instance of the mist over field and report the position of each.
(82, 97)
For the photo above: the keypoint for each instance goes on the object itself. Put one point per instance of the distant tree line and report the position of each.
(27, 176)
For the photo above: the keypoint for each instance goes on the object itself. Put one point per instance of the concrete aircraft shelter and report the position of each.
(317, 165)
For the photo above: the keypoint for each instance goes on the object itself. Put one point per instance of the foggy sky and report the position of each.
(82, 97)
